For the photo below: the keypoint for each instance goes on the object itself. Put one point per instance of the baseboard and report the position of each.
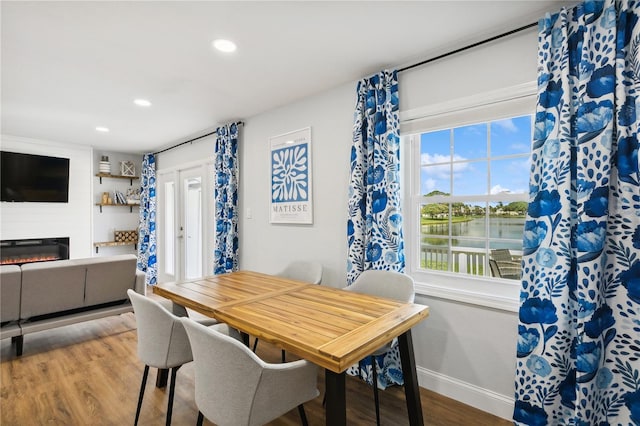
(491, 402)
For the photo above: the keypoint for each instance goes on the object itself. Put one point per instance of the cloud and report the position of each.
(442, 167)
(498, 189)
(507, 125)
(428, 185)
(473, 129)
(513, 172)
(427, 158)
(519, 147)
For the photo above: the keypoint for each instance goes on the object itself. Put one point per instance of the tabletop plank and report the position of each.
(346, 301)
(300, 317)
(359, 343)
(205, 295)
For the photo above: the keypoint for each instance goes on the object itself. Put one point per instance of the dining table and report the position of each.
(327, 326)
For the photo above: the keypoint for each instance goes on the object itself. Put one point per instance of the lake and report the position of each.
(500, 228)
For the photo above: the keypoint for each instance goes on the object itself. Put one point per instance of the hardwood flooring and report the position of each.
(89, 374)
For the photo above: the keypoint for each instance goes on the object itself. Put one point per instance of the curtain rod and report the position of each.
(444, 55)
(239, 123)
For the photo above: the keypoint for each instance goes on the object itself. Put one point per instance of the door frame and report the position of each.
(174, 174)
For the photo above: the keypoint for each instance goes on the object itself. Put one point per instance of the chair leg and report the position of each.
(374, 369)
(142, 386)
(255, 345)
(172, 389)
(163, 376)
(284, 356)
(303, 416)
(200, 418)
(18, 340)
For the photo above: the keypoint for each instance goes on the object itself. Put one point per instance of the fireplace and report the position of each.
(18, 252)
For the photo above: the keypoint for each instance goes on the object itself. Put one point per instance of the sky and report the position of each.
(470, 150)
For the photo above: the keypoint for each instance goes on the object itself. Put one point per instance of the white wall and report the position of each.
(463, 351)
(39, 220)
(268, 248)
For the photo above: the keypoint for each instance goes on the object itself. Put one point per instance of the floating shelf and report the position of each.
(109, 175)
(131, 206)
(115, 243)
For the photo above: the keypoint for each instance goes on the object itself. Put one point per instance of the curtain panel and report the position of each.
(147, 259)
(226, 199)
(374, 225)
(578, 352)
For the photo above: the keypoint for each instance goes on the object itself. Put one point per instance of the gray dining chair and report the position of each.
(390, 285)
(299, 270)
(302, 270)
(162, 341)
(234, 387)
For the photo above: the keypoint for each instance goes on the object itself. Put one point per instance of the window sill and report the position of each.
(486, 292)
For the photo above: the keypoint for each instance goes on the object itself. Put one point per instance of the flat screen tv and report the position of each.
(33, 178)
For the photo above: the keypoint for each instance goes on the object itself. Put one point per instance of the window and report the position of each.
(466, 197)
(474, 186)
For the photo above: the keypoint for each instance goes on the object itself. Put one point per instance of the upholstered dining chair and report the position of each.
(162, 341)
(299, 270)
(302, 270)
(391, 285)
(235, 387)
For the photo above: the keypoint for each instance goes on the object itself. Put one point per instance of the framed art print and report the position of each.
(127, 168)
(291, 189)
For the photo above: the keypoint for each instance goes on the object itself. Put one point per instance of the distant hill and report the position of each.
(436, 192)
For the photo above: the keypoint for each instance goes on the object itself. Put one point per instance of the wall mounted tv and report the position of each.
(33, 178)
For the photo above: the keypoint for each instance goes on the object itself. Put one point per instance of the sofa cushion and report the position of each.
(10, 278)
(108, 278)
(49, 287)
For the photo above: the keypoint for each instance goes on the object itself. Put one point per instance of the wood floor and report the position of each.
(89, 374)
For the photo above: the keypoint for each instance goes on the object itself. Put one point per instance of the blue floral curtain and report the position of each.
(374, 226)
(578, 354)
(147, 259)
(226, 199)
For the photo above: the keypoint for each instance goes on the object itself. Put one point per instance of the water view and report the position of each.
(469, 253)
(505, 228)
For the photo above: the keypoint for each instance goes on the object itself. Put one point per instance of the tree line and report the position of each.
(441, 210)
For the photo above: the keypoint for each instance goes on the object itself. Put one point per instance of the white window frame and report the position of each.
(490, 106)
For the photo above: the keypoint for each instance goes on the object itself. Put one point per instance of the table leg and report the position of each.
(336, 412)
(245, 338)
(411, 390)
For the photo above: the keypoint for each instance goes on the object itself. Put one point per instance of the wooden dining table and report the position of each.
(330, 327)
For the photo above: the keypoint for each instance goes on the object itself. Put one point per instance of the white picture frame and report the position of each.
(127, 168)
(291, 199)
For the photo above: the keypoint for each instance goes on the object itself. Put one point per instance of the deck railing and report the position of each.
(466, 260)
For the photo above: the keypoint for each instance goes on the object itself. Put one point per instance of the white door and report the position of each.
(181, 228)
(191, 226)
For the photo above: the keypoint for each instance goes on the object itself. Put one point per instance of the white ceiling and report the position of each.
(68, 67)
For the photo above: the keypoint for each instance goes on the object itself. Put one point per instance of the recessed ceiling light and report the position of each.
(142, 102)
(224, 45)
(102, 129)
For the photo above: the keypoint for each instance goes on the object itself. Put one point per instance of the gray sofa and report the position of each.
(43, 295)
